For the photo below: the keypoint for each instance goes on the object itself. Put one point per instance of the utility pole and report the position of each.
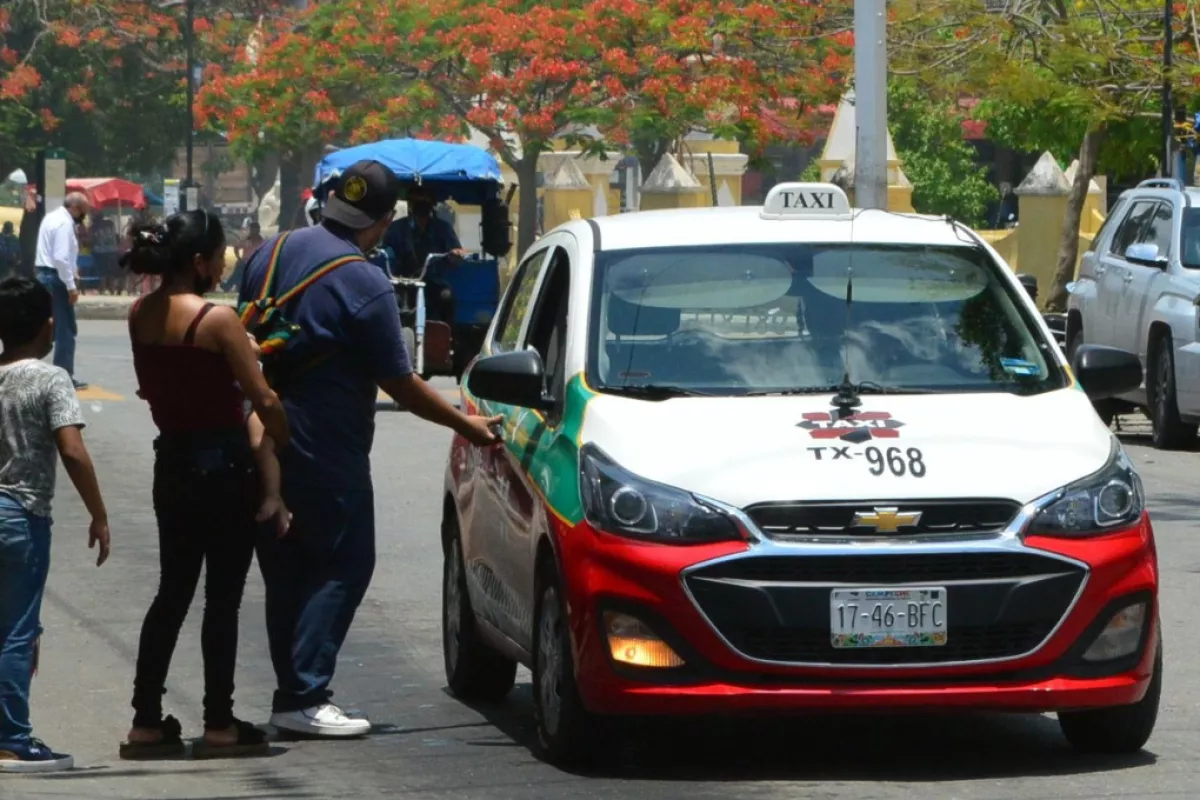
(1168, 102)
(189, 30)
(870, 103)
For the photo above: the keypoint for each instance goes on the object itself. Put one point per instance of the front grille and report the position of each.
(885, 569)
(786, 521)
(777, 608)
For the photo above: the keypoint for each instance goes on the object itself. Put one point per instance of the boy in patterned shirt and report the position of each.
(39, 418)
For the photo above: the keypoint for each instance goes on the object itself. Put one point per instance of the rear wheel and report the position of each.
(1170, 431)
(474, 671)
(568, 734)
(1124, 729)
(1106, 409)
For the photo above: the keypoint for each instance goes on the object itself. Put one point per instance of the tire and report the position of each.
(1170, 432)
(1105, 409)
(474, 671)
(1120, 730)
(568, 734)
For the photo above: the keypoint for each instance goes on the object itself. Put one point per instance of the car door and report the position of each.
(531, 432)
(1112, 327)
(1131, 321)
(489, 531)
(1085, 296)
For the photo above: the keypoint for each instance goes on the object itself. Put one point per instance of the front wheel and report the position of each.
(1124, 729)
(1170, 432)
(474, 671)
(568, 734)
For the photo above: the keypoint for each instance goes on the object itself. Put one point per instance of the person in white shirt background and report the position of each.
(57, 269)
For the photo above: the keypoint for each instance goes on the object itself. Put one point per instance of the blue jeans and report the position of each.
(316, 578)
(24, 565)
(65, 328)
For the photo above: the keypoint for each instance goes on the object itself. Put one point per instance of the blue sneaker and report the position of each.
(32, 756)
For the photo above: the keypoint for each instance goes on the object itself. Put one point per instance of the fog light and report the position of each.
(1120, 636)
(632, 642)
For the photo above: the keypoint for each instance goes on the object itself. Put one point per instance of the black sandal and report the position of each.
(169, 746)
(250, 742)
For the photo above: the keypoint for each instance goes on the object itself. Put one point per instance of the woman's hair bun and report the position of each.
(150, 254)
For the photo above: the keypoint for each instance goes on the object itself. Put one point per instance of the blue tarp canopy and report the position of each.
(460, 172)
(151, 198)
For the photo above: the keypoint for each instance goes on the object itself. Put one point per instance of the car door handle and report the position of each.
(1128, 276)
(1101, 269)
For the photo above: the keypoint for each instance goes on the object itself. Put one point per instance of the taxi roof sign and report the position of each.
(806, 201)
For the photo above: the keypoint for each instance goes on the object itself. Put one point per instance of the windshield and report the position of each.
(770, 318)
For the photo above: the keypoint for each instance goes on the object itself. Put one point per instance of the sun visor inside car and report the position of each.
(627, 319)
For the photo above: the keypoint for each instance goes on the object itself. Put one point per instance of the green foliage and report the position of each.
(928, 137)
(811, 173)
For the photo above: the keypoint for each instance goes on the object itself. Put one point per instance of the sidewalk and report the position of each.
(109, 307)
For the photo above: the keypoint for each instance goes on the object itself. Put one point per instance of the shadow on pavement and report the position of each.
(843, 748)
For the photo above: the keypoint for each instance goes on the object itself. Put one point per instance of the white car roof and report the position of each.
(772, 223)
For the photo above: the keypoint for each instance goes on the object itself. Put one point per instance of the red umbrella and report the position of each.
(109, 192)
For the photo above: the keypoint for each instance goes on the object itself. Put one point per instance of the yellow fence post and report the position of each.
(671, 185)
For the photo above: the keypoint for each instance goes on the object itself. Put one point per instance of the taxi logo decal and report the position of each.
(855, 427)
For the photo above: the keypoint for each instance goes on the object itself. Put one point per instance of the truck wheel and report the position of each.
(1106, 409)
(568, 734)
(1124, 729)
(474, 671)
(1170, 432)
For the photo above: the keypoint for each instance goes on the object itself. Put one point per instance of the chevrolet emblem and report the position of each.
(886, 520)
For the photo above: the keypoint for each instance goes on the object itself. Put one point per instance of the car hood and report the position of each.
(761, 449)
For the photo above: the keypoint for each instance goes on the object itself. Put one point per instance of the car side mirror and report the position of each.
(515, 379)
(1105, 372)
(1145, 254)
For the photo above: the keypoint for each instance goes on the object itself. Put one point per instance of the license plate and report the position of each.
(888, 617)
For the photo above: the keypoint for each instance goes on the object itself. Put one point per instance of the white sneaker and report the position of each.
(325, 720)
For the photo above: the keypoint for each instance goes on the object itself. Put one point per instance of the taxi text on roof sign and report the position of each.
(806, 201)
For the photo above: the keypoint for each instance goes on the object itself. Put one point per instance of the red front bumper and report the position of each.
(603, 571)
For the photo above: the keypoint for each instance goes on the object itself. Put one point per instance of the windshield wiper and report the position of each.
(866, 387)
(656, 391)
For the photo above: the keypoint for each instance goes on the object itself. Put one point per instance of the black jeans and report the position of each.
(206, 494)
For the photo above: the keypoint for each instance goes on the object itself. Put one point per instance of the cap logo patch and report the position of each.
(355, 189)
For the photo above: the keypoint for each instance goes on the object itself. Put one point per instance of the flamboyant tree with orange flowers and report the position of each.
(601, 73)
(105, 79)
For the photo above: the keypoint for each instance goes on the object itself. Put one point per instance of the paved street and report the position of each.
(430, 746)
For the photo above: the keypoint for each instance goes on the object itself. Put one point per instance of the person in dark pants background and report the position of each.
(349, 346)
(10, 252)
(57, 269)
(195, 367)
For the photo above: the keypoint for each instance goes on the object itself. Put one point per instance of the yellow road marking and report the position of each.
(97, 393)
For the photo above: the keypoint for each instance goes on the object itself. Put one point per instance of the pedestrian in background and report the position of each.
(58, 270)
(349, 346)
(40, 419)
(196, 367)
(10, 252)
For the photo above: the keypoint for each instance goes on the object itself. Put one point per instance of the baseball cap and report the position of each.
(366, 193)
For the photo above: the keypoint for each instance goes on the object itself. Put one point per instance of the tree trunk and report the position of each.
(295, 174)
(527, 212)
(263, 172)
(1068, 243)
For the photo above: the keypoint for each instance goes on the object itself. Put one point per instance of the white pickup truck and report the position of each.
(1138, 290)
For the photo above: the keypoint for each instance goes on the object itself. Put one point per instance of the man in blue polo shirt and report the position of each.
(350, 345)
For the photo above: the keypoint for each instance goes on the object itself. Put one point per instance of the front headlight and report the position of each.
(619, 502)
(1091, 506)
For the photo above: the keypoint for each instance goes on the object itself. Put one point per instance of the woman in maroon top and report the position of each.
(196, 367)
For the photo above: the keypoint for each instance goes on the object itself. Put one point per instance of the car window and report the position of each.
(1158, 229)
(1131, 228)
(1189, 244)
(1116, 213)
(794, 317)
(548, 326)
(516, 303)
